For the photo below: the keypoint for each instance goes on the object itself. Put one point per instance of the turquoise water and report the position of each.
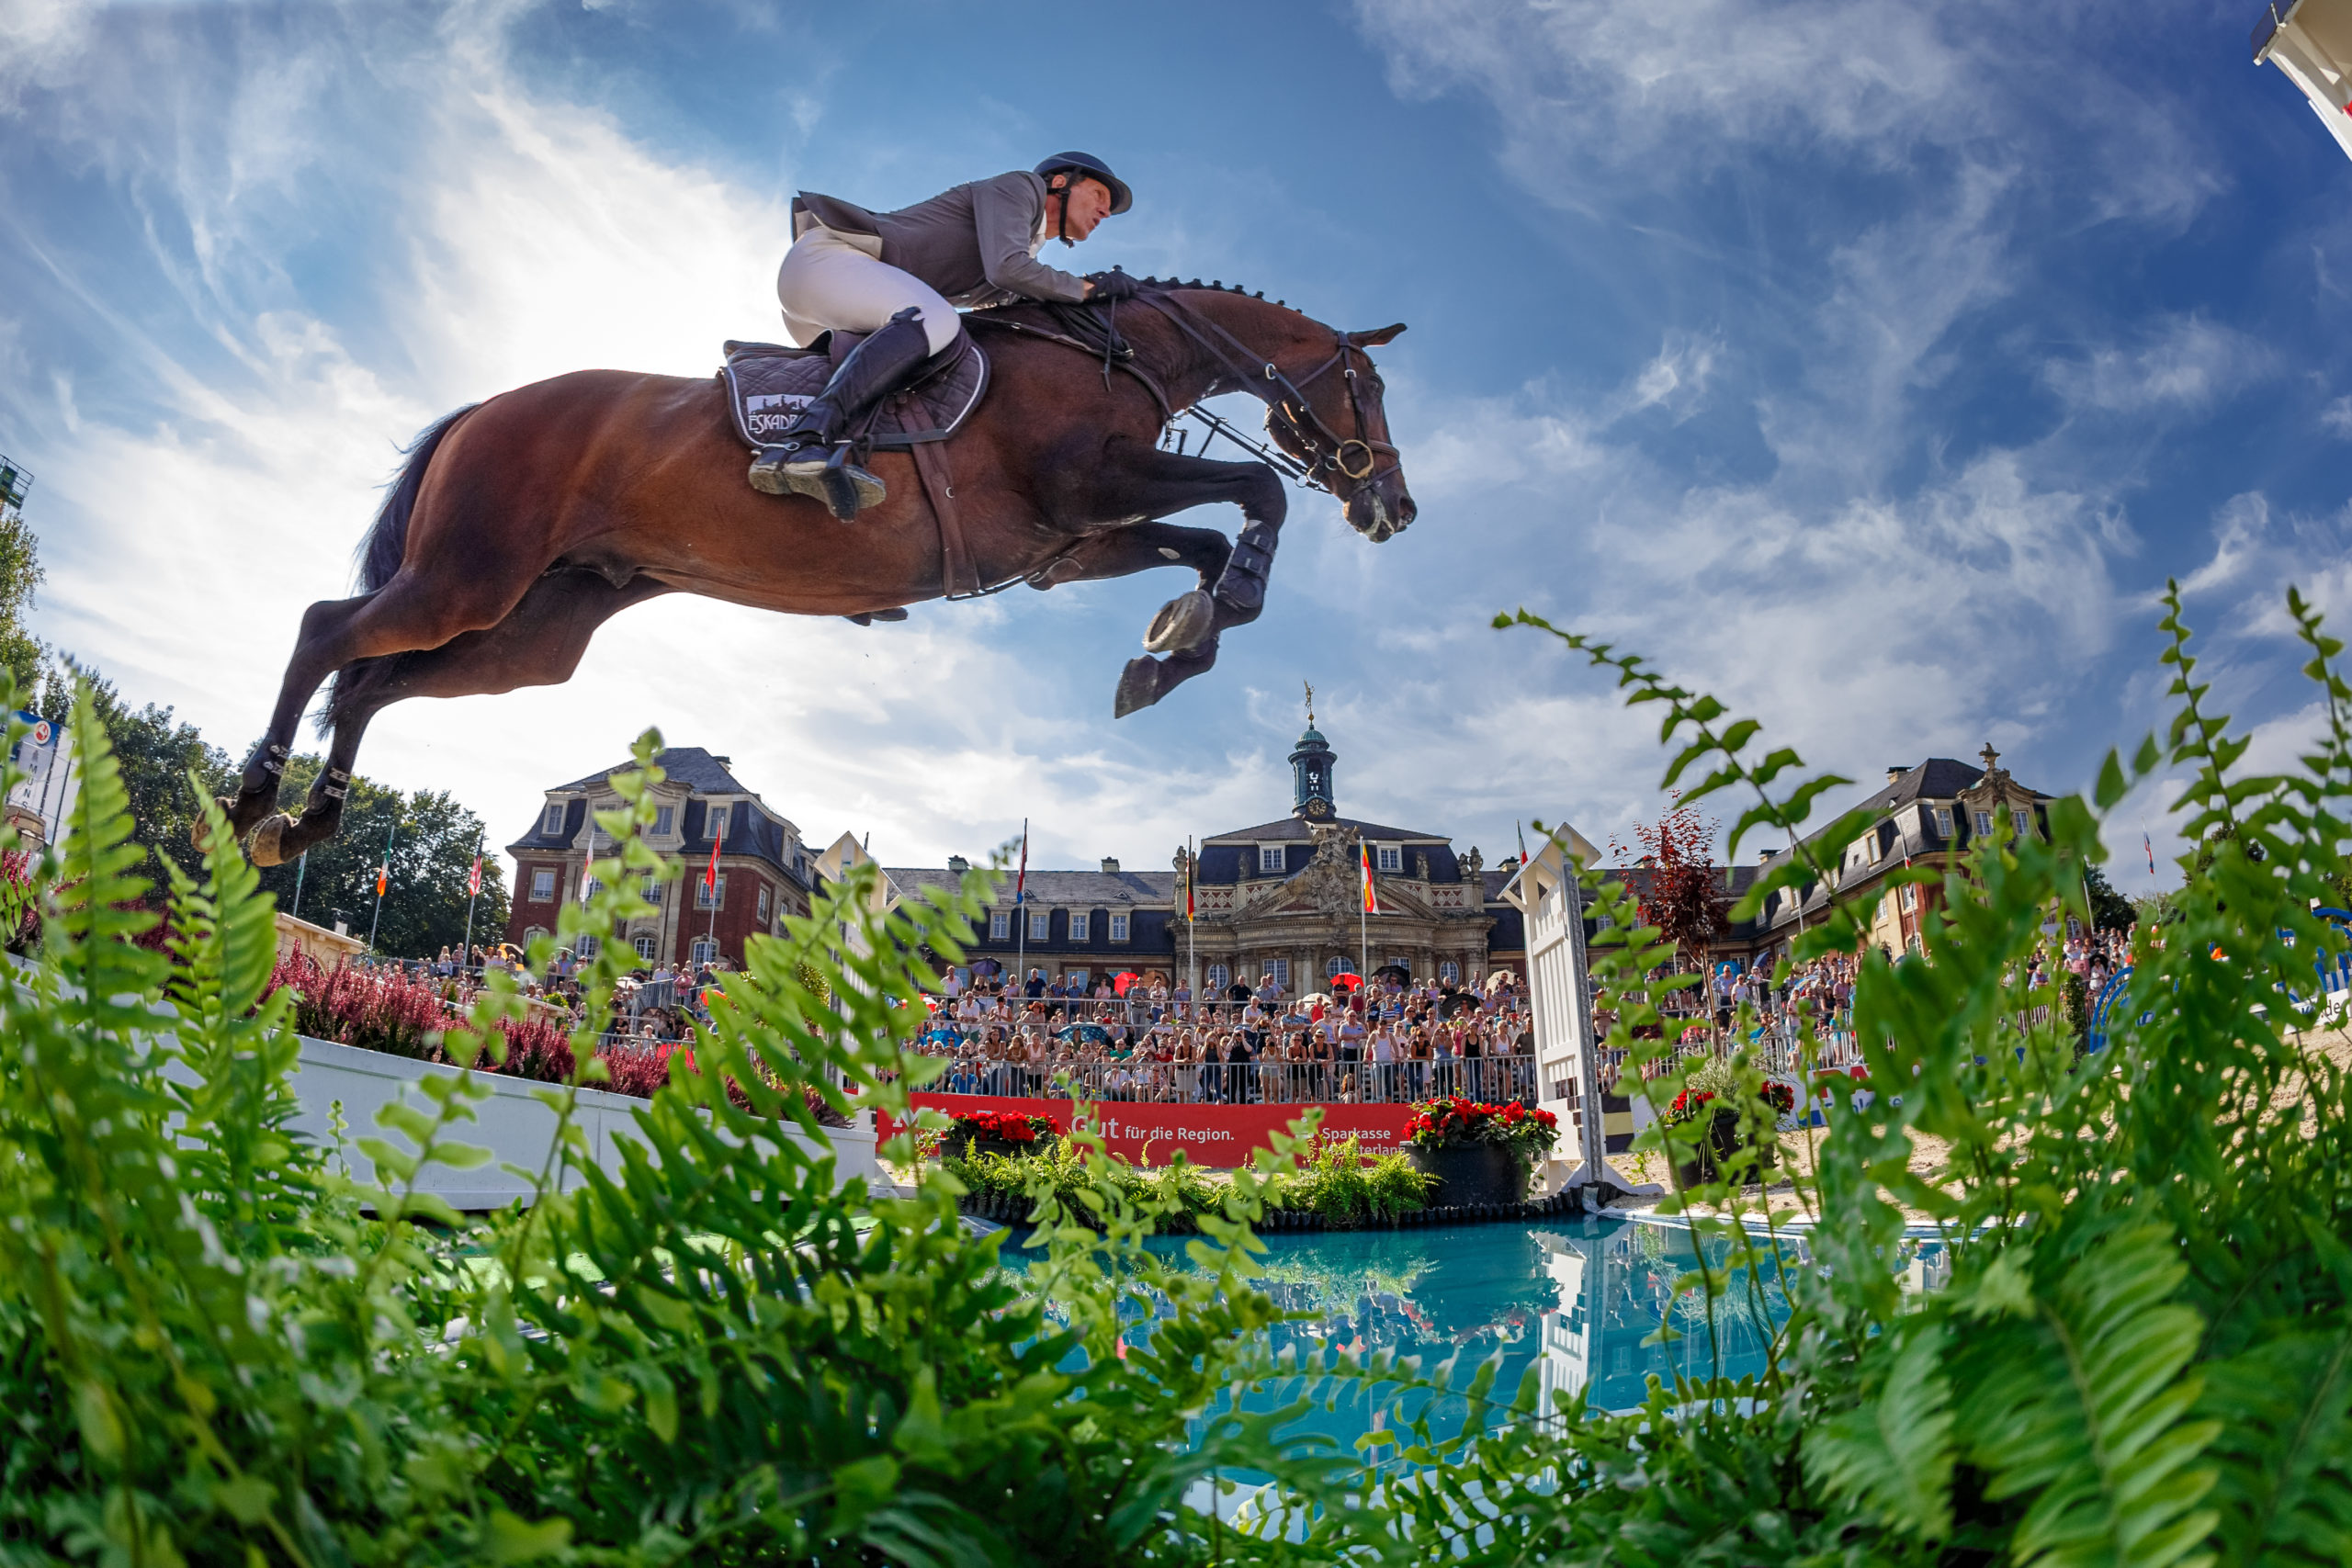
(1581, 1299)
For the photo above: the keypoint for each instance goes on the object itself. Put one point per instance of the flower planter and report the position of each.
(1718, 1147)
(965, 1145)
(1473, 1173)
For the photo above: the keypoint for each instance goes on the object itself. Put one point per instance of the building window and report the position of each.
(542, 884)
(710, 898)
(2024, 820)
(1392, 857)
(1118, 928)
(644, 946)
(551, 819)
(533, 933)
(587, 947)
(764, 904)
(1076, 980)
(1000, 925)
(1943, 820)
(1984, 824)
(1449, 972)
(1080, 922)
(1280, 969)
(715, 822)
(1041, 925)
(1333, 967)
(663, 815)
(652, 889)
(703, 951)
(1270, 857)
(1218, 977)
(1910, 897)
(1404, 963)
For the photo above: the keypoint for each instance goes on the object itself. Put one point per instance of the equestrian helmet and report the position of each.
(1092, 167)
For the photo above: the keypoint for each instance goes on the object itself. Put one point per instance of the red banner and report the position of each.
(1209, 1134)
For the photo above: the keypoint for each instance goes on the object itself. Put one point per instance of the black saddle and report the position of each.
(768, 385)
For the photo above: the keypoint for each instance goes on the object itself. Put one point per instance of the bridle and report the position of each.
(1286, 406)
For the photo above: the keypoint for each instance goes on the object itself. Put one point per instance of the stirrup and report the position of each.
(820, 473)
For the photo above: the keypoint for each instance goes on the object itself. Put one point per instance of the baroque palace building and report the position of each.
(765, 872)
(1281, 898)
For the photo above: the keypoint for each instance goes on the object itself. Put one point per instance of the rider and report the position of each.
(897, 277)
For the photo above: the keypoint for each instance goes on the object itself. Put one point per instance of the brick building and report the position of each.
(765, 872)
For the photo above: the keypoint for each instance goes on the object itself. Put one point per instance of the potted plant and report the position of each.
(998, 1132)
(1478, 1153)
(1707, 1098)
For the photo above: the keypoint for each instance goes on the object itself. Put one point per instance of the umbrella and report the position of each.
(1392, 972)
(1121, 980)
(1346, 981)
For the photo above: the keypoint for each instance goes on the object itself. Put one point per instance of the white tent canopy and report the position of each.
(2311, 41)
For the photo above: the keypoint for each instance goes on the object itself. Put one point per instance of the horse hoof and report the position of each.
(1138, 687)
(266, 838)
(1181, 622)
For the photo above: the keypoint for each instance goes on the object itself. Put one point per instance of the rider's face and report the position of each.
(1090, 203)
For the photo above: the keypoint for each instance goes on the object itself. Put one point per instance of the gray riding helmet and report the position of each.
(1087, 164)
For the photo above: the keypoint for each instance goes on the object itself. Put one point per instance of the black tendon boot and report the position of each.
(806, 459)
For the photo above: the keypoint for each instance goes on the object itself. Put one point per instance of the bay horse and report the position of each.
(519, 525)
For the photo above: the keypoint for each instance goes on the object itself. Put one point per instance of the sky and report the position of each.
(1869, 365)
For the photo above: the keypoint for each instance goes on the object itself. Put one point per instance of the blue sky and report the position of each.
(1871, 364)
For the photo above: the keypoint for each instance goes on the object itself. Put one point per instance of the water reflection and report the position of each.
(1580, 1299)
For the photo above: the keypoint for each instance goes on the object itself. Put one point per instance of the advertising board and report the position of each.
(1223, 1135)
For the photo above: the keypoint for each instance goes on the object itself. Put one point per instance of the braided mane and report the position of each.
(1216, 286)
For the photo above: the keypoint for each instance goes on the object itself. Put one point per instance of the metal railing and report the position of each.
(1491, 1079)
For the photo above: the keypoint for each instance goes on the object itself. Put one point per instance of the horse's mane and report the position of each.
(1156, 285)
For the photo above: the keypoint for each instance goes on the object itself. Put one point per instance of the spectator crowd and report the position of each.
(1390, 1039)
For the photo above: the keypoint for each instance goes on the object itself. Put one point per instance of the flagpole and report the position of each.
(383, 876)
(300, 867)
(1192, 928)
(473, 895)
(1021, 915)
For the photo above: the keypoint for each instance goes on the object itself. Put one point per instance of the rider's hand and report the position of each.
(1111, 284)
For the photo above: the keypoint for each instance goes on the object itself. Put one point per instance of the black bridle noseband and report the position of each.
(1285, 400)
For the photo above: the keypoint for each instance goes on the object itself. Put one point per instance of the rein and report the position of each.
(1287, 401)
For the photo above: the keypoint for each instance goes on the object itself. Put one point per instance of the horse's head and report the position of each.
(1343, 435)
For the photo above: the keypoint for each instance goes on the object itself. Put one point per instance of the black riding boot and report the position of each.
(809, 458)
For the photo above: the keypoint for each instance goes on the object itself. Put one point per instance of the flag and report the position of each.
(383, 876)
(1370, 898)
(1021, 880)
(473, 883)
(2151, 854)
(710, 871)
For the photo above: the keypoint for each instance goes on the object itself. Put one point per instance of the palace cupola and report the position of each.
(1310, 773)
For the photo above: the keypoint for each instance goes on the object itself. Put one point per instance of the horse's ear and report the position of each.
(1375, 337)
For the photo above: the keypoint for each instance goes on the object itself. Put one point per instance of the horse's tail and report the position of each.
(379, 558)
(385, 541)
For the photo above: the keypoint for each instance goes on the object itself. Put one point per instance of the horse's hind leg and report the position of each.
(323, 625)
(538, 644)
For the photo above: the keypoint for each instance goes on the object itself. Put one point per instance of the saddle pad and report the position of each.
(768, 385)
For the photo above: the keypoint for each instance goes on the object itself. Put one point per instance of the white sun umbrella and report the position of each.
(2311, 42)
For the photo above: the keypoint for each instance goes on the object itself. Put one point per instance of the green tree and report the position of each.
(2110, 910)
(156, 755)
(433, 839)
(21, 654)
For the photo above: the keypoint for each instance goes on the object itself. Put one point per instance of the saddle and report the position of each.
(769, 384)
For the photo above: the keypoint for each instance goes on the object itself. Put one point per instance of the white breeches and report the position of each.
(827, 281)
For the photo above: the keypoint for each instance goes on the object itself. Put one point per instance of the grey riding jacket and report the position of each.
(975, 243)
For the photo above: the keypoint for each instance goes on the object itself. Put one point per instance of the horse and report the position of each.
(518, 526)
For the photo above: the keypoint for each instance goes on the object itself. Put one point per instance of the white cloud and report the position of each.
(2337, 418)
(2180, 362)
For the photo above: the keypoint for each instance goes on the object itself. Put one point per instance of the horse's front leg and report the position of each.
(1135, 480)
